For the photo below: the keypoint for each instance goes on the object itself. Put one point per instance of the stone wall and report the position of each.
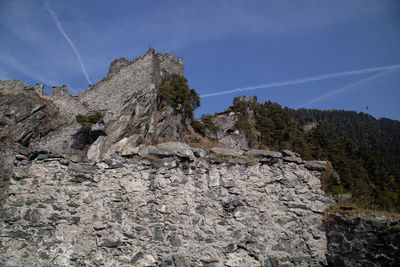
(69, 105)
(163, 211)
(125, 78)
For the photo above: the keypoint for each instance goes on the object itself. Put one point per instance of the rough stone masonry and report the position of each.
(168, 211)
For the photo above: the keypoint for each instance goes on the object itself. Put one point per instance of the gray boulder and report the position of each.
(19, 173)
(293, 159)
(81, 167)
(198, 152)
(165, 162)
(226, 152)
(257, 153)
(228, 135)
(342, 198)
(288, 153)
(130, 149)
(178, 148)
(148, 151)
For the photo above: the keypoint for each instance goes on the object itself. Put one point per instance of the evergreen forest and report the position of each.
(364, 151)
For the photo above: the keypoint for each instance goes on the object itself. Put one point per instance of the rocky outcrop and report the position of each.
(127, 98)
(134, 114)
(143, 119)
(258, 153)
(309, 126)
(164, 210)
(357, 239)
(228, 135)
(24, 118)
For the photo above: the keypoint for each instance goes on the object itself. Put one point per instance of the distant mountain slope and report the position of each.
(364, 151)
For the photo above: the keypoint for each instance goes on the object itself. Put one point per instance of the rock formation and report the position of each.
(127, 97)
(24, 116)
(120, 193)
(356, 239)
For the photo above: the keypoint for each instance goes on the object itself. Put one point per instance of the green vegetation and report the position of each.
(88, 119)
(85, 136)
(242, 108)
(364, 151)
(205, 124)
(185, 165)
(209, 124)
(330, 181)
(350, 210)
(175, 90)
(390, 229)
(277, 129)
(198, 126)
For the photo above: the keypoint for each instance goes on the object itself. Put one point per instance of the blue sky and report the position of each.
(225, 45)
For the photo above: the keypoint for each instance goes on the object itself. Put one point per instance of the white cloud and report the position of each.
(10, 62)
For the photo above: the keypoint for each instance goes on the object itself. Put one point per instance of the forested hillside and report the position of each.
(363, 150)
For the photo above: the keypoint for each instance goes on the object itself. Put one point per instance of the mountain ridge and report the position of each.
(146, 184)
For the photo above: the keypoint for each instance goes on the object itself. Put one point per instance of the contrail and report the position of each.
(60, 28)
(345, 88)
(304, 80)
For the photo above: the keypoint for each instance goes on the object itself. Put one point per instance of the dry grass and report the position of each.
(45, 99)
(203, 142)
(251, 162)
(2, 94)
(350, 210)
(5, 138)
(5, 177)
(185, 165)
